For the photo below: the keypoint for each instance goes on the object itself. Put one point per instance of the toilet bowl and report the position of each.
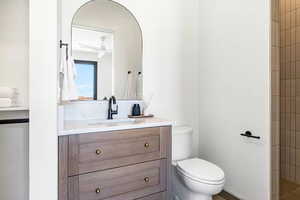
(197, 179)
(193, 178)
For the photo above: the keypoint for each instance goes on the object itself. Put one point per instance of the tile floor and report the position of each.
(289, 190)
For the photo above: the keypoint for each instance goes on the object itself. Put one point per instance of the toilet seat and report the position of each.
(201, 171)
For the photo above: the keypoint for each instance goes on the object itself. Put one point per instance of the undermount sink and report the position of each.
(112, 121)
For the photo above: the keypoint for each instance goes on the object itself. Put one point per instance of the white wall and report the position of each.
(88, 56)
(234, 92)
(43, 100)
(14, 47)
(169, 56)
(105, 74)
(127, 56)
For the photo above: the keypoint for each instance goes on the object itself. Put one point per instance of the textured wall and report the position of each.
(290, 93)
(275, 99)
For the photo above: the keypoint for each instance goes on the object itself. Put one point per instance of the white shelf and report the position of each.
(17, 108)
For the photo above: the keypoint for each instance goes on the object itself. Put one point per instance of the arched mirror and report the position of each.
(107, 49)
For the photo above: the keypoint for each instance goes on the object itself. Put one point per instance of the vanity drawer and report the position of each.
(106, 150)
(125, 183)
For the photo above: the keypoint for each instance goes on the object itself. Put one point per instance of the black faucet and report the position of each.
(112, 101)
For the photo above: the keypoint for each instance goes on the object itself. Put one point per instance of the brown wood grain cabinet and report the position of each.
(117, 165)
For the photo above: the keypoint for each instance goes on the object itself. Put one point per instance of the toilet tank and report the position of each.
(181, 142)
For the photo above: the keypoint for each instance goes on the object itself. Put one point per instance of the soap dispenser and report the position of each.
(136, 110)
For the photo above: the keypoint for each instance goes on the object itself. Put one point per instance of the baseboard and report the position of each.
(228, 196)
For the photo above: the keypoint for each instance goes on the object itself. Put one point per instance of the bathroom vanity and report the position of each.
(115, 161)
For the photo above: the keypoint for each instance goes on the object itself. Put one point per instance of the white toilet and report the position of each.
(192, 178)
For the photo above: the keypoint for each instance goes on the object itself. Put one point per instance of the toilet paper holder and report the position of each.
(249, 135)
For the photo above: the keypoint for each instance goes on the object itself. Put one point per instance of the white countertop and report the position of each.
(16, 108)
(89, 126)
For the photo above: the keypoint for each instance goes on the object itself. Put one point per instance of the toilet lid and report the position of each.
(201, 170)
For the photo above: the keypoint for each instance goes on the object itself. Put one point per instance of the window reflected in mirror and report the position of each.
(86, 79)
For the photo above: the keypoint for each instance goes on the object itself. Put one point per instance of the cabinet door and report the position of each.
(14, 162)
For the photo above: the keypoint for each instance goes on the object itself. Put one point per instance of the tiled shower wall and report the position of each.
(275, 78)
(290, 90)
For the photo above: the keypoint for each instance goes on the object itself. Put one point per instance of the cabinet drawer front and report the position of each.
(131, 182)
(99, 151)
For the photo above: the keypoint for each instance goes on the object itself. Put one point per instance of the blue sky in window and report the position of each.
(85, 79)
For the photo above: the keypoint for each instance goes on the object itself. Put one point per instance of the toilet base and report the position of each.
(188, 195)
(180, 192)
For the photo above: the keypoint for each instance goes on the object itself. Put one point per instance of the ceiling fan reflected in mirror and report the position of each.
(102, 50)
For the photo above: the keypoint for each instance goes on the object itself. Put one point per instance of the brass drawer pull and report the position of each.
(147, 179)
(98, 190)
(147, 145)
(98, 151)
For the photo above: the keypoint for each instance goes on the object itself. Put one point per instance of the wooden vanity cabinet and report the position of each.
(117, 165)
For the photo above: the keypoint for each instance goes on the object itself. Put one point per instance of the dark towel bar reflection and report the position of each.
(61, 45)
(14, 121)
(249, 135)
